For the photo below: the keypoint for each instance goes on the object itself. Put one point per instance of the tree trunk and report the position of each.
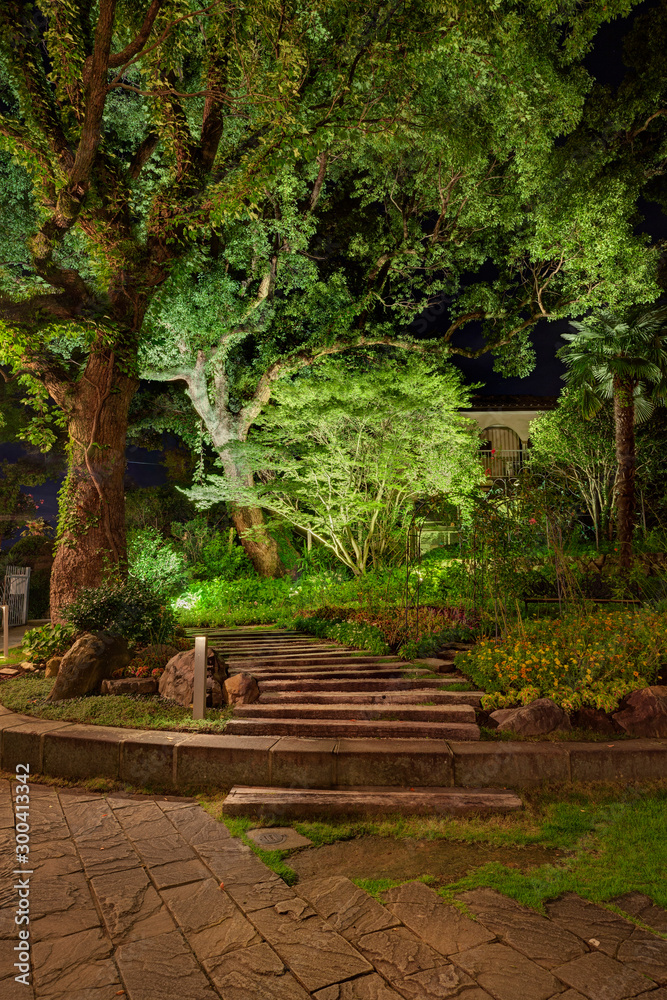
(264, 555)
(624, 421)
(91, 528)
(260, 547)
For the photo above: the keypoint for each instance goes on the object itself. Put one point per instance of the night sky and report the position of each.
(605, 63)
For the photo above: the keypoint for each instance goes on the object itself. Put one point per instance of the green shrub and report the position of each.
(155, 561)
(577, 660)
(348, 633)
(221, 559)
(128, 608)
(40, 644)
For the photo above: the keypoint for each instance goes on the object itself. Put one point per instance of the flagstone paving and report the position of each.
(151, 899)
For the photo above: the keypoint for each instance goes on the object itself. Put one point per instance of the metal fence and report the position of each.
(502, 464)
(15, 593)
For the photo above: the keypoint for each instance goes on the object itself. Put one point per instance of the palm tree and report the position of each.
(623, 358)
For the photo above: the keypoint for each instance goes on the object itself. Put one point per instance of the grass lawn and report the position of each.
(27, 695)
(615, 838)
(16, 656)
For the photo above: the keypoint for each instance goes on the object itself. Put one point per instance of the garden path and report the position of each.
(320, 689)
(151, 899)
(327, 695)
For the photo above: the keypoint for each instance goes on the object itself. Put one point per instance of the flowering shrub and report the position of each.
(577, 660)
(432, 625)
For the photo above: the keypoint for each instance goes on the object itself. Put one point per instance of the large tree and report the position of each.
(128, 130)
(473, 196)
(621, 358)
(345, 450)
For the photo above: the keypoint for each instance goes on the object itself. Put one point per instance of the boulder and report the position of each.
(92, 658)
(130, 685)
(646, 713)
(177, 681)
(53, 666)
(596, 720)
(536, 719)
(241, 689)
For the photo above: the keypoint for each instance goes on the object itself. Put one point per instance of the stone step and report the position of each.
(321, 675)
(359, 728)
(416, 697)
(311, 660)
(260, 655)
(362, 684)
(397, 711)
(237, 666)
(308, 803)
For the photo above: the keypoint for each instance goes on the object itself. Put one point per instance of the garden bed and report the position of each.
(27, 695)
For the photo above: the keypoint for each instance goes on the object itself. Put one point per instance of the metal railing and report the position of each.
(502, 464)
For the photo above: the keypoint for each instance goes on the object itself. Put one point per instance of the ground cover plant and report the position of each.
(580, 659)
(27, 695)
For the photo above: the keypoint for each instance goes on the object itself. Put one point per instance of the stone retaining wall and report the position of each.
(180, 761)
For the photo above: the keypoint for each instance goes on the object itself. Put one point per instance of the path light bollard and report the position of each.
(199, 692)
(5, 631)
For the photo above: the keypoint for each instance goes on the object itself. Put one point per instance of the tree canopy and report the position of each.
(232, 191)
(345, 450)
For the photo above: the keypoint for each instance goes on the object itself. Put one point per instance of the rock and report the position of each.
(177, 681)
(596, 720)
(92, 658)
(539, 717)
(53, 666)
(7, 672)
(27, 665)
(130, 685)
(646, 713)
(241, 689)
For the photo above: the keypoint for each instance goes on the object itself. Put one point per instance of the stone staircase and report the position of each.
(315, 693)
(317, 689)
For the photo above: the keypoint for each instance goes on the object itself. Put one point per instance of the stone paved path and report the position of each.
(151, 899)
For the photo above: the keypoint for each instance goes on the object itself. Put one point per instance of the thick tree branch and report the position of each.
(96, 93)
(33, 311)
(143, 154)
(131, 50)
(301, 359)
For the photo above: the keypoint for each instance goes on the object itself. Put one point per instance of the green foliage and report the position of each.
(581, 453)
(157, 507)
(17, 506)
(346, 450)
(347, 633)
(582, 659)
(128, 608)
(155, 561)
(609, 349)
(209, 554)
(40, 644)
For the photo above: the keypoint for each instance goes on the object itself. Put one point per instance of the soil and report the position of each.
(447, 860)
